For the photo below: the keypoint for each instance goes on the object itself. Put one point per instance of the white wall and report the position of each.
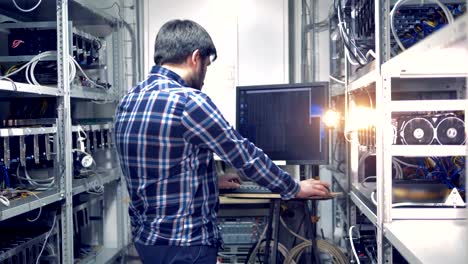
(263, 42)
(249, 40)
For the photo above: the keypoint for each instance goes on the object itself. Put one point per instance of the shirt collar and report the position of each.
(161, 71)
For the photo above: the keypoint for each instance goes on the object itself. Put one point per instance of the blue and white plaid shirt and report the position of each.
(166, 134)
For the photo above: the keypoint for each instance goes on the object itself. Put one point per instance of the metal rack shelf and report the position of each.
(341, 179)
(429, 241)
(428, 105)
(23, 205)
(28, 89)
(336, 89)
(446, 47)
(23, 247)
(434, 213)
(99, 23)
(360, 197)
(92, 94)
(108, 176)
(436, 65)
(104, 255)
(364, 78)
(17, 59)
(443, 54)
(428, 150)
(25, 131)
(69, 17)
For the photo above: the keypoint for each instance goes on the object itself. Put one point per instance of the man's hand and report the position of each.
(313, 188)
(229, 181)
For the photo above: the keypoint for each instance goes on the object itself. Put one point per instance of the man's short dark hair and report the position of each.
(177, 39)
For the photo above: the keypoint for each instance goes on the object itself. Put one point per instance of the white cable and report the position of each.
(405, 163)
(46, 238)
(4, 201)
(96, 186)
(404, 204)
(40, 208)
(350, 233)
(84, 74)
(342, 27)
(281, 248)
(349, 58)
(16, 71)
(335, 79)
(372, 196)
(322, 245)
(292, 232)
(31, 65)
(398, 170)
(447, 13)
(26, 10)
(81, 139)
(371, 53)
(343, 36)
(82, 132)
(367, 178)
(38, 184)
(80, 151)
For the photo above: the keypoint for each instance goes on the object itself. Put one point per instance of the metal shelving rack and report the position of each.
(99, 24)
(449, 46)
(416, 233)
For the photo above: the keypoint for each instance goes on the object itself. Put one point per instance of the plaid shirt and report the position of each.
(166, 134)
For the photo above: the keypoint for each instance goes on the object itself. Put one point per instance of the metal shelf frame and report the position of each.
(99, 24)
(444, 54)
(23, 205)
(407, 236)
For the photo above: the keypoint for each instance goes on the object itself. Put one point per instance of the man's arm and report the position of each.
(207, 128)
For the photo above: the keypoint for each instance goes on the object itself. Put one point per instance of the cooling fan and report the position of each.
(451, 131)
(417, 131)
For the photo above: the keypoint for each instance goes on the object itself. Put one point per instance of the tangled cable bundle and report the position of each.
(293, 255)
(30, 66)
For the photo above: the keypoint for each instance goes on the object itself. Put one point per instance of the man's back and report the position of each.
(172, 182)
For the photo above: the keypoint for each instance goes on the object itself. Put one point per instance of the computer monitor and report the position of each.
(285, 120)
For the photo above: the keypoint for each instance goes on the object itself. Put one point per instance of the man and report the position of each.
(166, 132)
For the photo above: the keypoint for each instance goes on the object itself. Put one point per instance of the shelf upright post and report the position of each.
(118, 50)
(64, 131)
(383, 93)
(466, 132)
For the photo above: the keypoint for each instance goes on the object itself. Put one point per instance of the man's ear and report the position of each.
(195, 58)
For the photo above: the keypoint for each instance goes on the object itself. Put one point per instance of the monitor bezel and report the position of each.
(324, 85)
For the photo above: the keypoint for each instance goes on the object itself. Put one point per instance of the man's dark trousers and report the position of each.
(177, 254)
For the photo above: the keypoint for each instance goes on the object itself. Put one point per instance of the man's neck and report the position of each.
(180, 70)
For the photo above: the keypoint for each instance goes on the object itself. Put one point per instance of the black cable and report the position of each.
(299, 229)
(346, 44)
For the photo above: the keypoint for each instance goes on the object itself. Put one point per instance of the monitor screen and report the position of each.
(285, 120)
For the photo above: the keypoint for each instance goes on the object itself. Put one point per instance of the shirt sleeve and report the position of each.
(207, 128)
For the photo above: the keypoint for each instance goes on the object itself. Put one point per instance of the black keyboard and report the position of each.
(247, 187)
